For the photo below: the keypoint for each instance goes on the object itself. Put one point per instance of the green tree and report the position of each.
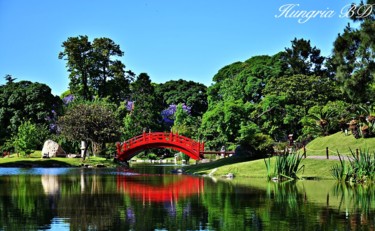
(77, 53)
(191, 93)
(146, 113)
(221, 124)
(185, 124)
(94, 122)
(353, 60)
(94, 69)
(302, 58)
(326, 120)
(270, 114)
(9, 78)
(298, 93)
(253, 140)
(23, 101)
(110, 78)
(245, 80)
(28, 138)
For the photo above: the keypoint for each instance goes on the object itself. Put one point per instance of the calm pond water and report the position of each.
(149, 198)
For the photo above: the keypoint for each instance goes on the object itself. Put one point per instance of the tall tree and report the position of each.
(222, 123)
(245, 80)
(110, 76)
(302, 58)
(94, 69)
(145, 114)
(77, 52)
(353, 56)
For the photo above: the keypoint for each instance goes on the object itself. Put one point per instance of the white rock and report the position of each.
(52, 149)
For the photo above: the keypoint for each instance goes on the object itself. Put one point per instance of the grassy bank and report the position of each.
(313, 168)
(338, 142)
(35, 160)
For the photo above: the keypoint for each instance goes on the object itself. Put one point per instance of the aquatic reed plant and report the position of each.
(339, 171)
(269, 168)
(359, 168)
(286, 167)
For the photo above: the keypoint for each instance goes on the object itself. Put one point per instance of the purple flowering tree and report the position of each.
(168, 114)
(68, 99)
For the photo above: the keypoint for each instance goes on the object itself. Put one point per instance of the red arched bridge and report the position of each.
(130, 148)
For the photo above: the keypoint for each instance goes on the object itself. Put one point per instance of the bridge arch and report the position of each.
(130, 148)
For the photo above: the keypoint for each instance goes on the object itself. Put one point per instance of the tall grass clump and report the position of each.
(358, 169)
(286, 167)
(268, 168)
(339, 171)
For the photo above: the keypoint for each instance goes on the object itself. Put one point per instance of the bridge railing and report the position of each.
(163, 137)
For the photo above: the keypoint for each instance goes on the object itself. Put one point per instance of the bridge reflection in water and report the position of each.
(158, 188)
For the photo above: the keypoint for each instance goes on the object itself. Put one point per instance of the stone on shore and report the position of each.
(52, 149)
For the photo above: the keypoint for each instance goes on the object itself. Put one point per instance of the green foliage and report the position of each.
(185, 124)
(254, 140)
(269, 115)
(28, 138)
(326, 120)
(267, 162)
(152, 156)
(77, 51)
(244, 80)
(353, 58)
(297, 94)
(146, 113)
(94, 71)
(90, 121)
(23, 101)
(303, 59)
(222, 122)
(181, 91)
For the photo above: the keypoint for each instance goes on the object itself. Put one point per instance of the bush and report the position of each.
(28, 138)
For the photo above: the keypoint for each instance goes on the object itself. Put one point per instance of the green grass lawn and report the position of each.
(35, 160)
(338, 142)
(313, 168)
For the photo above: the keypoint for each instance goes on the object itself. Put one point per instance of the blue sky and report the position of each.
(168, 39)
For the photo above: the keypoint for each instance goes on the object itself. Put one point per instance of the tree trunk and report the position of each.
(85, 152)
(96, 148)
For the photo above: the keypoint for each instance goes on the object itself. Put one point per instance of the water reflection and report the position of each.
(160, 188)
(87, 199)
(357, 202)
(50, 184)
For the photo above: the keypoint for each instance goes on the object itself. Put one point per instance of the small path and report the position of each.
(325, 158)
